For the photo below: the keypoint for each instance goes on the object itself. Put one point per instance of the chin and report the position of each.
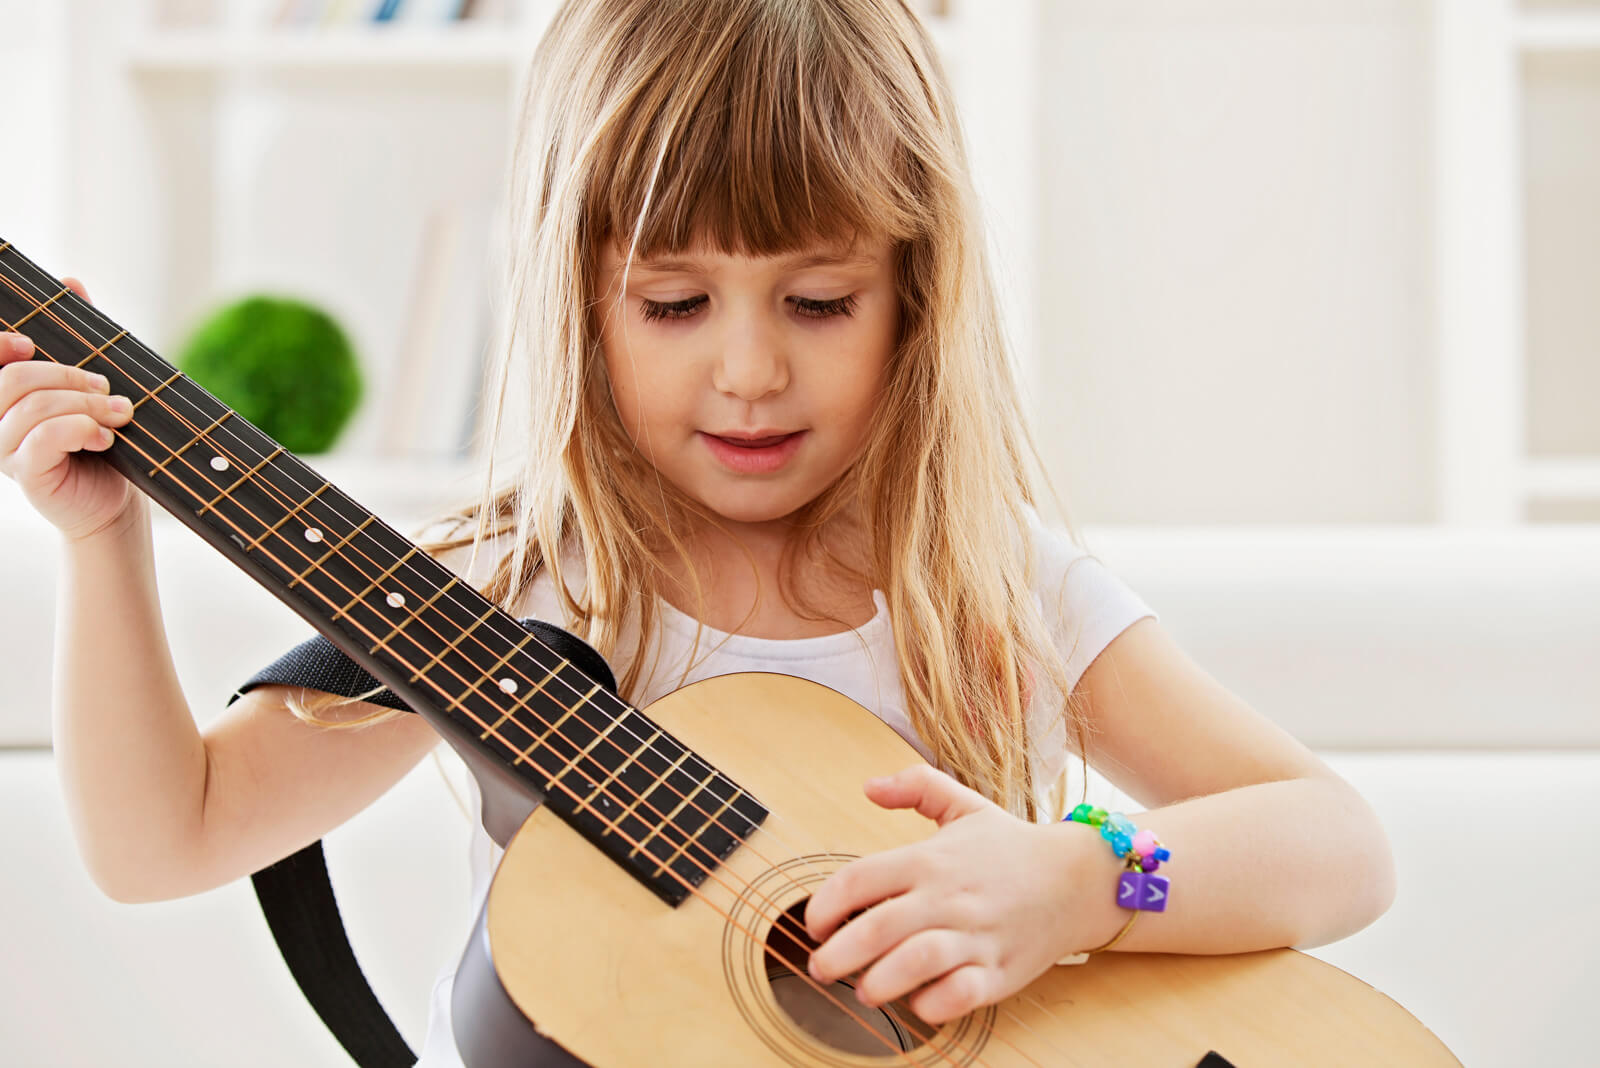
(752, 507)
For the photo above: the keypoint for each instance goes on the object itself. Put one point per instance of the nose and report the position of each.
(752, 364)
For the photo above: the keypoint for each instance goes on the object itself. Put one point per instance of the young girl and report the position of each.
(772, 426)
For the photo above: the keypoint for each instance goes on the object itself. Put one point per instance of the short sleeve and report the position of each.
(1083, 603)
(1085, 606)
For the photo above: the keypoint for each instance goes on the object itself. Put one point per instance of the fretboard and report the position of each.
(459, 660)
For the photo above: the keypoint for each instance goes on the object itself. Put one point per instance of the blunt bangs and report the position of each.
(744, 137)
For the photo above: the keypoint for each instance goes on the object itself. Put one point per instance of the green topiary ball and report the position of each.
(282, 364)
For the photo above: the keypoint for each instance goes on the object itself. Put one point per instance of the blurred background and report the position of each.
(1306, 297)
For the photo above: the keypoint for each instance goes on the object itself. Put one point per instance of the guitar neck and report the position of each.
(459, 660)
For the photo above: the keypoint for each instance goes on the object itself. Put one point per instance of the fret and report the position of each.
(616, 771)
(339, 545)
(411, 616)
(539, 742)
(153, 392)
(521, 701)
(505, 657)
(246, 477)
(186, 445)
(440, 655)
(100, 351)
(687, 795)
(17, 326)
(580, 754)
(690, 839)
(636, 802)
(255, 543)
(375, 583)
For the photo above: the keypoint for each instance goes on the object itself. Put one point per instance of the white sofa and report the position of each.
(1452, 677)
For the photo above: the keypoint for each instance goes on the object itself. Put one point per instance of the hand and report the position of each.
(48, 412)
(971, 915)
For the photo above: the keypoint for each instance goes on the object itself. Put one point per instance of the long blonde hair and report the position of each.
(761, 127)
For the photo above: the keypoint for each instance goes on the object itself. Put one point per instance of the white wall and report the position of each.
(1234, 298)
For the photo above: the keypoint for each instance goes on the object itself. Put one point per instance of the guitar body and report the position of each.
(610, 976)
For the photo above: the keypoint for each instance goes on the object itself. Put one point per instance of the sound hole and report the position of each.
(830, 1012)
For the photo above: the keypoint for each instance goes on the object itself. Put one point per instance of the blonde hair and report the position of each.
(761, 127)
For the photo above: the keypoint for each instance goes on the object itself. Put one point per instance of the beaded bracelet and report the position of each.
(1138, 889)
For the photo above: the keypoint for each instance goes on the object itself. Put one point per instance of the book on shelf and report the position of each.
(431, 397)
(324, 13)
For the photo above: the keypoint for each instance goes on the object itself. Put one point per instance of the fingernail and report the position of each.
(101, 383)
(121, 404)
(21, 345)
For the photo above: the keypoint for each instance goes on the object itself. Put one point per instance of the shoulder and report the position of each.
(1084, 604)
(476, 563)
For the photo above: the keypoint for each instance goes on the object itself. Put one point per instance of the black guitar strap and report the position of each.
(295, 893)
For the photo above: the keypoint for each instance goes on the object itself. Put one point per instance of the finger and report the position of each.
(15, 347)
(870, 935)
(18, 380)
(928, 790)
(968, 987)
(43, 450)
(42, 407)
(859, 885)
(919, 960)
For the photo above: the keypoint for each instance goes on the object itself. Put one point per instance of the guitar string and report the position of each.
(687, 846)
(685, 850)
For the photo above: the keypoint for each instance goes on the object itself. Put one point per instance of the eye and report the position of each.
(825, 309)
(672, 309)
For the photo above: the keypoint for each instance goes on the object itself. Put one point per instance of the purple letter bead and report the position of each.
(1130, 890)
(1154, 897)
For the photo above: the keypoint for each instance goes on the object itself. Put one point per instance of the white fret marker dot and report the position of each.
(508, 685)
(313, 534)
(219, 464)
(395, 600)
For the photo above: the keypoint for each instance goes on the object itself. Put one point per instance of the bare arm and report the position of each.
(1270, 847)
(160, 810)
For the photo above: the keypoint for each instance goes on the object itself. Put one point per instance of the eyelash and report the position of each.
(811, 309)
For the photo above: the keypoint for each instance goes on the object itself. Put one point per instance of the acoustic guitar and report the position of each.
(648, 907)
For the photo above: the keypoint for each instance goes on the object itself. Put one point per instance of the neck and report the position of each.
(771, 580)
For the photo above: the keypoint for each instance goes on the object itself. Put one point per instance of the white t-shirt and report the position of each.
(1083, 603)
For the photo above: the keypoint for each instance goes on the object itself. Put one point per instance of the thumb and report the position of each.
(928, 790)
(77, 287)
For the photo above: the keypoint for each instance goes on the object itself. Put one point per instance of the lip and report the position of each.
(759, 452)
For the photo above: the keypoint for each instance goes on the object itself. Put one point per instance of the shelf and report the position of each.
(1558, 33)
(1566, 479)
(366, 48)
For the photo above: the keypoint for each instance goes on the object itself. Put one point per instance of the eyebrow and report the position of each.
(794, 263)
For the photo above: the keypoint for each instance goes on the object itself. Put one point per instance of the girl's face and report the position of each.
(750, 383)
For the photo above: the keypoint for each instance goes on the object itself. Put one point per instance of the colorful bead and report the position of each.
(1140, 851)
(1130, 889)
(1156, 891)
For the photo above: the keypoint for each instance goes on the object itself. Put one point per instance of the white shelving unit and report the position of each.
(205, 206)
(354, 48)
(1486, 472)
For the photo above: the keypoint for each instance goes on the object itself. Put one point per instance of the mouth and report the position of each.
(743, 441)
(753, 454)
